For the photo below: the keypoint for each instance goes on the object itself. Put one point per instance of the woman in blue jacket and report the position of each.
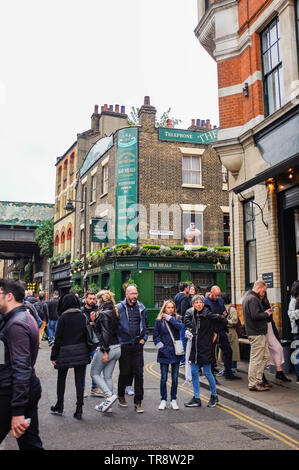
(168, 318)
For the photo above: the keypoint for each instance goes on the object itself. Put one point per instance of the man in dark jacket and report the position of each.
(132, 334)
(20, 389)
(256, 329)
(216, 304)
(182, 304)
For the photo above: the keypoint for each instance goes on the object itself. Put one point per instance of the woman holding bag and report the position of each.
(166, 333)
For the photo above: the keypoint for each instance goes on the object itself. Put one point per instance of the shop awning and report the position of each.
(271, 172)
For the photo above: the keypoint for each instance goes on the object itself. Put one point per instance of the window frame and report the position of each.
(248, 242)
(272, 70)
(105, 180)
(192, 185)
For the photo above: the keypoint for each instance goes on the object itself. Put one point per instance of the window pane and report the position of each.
(265, 41)
(249, 231)
(273, 91)
(273, 34)
(195, 163)
(186, 163)
(275, 55)
(252, 262)
(186, 177)
(248, 211)
(195, 177)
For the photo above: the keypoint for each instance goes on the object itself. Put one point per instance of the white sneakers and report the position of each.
(162, 405)
(173, 405)
(129, 390)
(105, 405)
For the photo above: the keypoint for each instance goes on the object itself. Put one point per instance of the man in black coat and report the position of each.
(20, 389)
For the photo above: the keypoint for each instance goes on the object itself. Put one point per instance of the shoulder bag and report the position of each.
(178, 344)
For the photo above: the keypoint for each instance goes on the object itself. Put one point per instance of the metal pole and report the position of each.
(85, 283)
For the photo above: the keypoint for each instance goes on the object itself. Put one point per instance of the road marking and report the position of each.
(238, 414)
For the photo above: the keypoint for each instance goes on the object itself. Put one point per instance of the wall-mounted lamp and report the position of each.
(246, 90)
(270, 185)
(291, 173)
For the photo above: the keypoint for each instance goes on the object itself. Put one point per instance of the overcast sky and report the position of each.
(60, 58)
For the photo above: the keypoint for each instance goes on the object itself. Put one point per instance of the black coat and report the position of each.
(106, 326)
(202, 325)
(70, 347)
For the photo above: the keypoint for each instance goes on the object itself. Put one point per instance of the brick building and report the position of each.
(147, 189)
(255, 45)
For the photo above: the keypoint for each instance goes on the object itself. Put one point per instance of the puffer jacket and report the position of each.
(202, 325)
(163, 340)
(70, 347)
(19, 339)
(106, 326)
(124, 335)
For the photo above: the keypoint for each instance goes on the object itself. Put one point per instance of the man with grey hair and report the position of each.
(256, 329)
(132, 334)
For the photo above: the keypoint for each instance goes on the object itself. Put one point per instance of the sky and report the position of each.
(60, 58)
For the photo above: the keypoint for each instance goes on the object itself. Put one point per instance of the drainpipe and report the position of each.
(233, 260)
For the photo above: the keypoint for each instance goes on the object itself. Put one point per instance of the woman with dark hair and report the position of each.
(70, 350)
(293, 313)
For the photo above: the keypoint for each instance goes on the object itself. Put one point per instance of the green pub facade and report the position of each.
(157, 208)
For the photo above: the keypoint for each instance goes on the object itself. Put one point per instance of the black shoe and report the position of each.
(232, 377)
(280, 376)
(213, 401)
(57, 410)
(78, 412)
(193, 402)
(265, 381)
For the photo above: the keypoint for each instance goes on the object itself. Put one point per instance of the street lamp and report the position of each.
(70, 207)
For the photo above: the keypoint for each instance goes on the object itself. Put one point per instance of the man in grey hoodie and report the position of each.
(256, 329)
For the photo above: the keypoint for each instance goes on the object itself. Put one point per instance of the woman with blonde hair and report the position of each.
(168, 325)
(108, 352)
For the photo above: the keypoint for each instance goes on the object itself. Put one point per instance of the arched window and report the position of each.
(62, 241)
(56, 243)
(69, 238)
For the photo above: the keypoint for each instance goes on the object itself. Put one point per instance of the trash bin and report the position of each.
(286, 366)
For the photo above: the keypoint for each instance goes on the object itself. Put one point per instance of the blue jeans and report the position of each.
(195, 380)
(52, 330)
(174, 380)
(184, 340)
(104, 381)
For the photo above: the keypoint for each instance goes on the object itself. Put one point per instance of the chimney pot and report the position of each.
(147, 100)
(208, 123)
(203, 123)
(102, 108)
(193, 122)
(96, 109)
(123, 109)
(117, 108)
(111, 107)
(198, 122)
(105, 107)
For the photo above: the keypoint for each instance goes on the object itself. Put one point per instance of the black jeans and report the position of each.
(30, 440)
(79, 382)
(226, 352)
(131, 365)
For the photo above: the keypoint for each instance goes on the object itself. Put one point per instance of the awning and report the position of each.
(271, 172)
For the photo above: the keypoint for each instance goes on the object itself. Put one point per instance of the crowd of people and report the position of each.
(191, 330)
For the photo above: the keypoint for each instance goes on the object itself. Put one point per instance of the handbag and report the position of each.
(91, 336)
(178, 344)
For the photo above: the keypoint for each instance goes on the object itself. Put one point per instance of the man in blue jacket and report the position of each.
(20, 388)
(132, 334)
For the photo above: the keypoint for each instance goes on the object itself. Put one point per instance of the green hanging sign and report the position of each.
(177, 135)
(126, 185)
(99, 230)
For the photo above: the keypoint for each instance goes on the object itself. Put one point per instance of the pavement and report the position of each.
(281, 402)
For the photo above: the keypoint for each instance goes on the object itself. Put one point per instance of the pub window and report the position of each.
(105, 280)
(203, 281)
(250, 244)
(191, 168)
(226, 230)
(165, 287)
(272, 67)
